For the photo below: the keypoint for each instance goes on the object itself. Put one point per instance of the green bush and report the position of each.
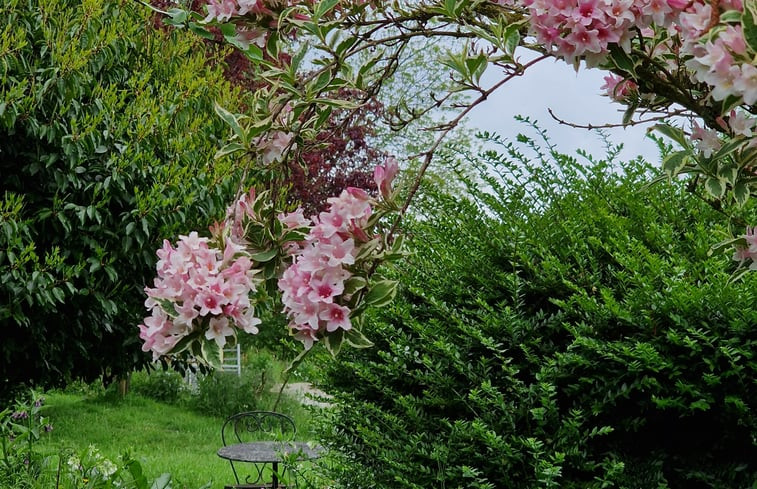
(223, 394)
(160, 385)
(107, 137)
(561, 327)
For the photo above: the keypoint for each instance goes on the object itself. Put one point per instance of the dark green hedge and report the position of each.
(107, 136)
(559, 327)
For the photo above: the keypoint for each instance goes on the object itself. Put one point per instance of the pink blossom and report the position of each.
(248, 321)
(339, 252)
(748, 252)
(294, 219)
(708, 140)
(733, 38)
(617, 88)
(274, 148)
(307, 336)
(678, 4)
(336, 317)
(253, 6)
(740, 124)
(220, 10)
(745, 83)
(696, 19)
(384, 175)
(218, 330)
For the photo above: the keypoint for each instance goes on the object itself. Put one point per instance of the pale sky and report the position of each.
(575, 97)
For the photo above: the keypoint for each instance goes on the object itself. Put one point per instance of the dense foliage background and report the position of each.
(561, 326)
(107, 136)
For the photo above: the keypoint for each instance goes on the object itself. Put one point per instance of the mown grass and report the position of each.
(163, 437)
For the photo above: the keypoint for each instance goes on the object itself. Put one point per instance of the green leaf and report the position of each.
(457, 63)
(212, 353)
(701, 404)
(231, 120)
(264, 256)
(323, 7)
(512, 38)
(381, 293)
(449, 8)
(730, 16)
(476, 66)
(728, 148)
(321, 82)
(228, 149)
(748, 21)
(58, 293)
(346, 44)
(622, 60)
(728, 243)
(176, 17)
(715, 187)
(333, 341)
(200, 30)
(355, 338)
(135, 470)
(366, 249)
(353, 284)
(675, 162)
(183, 343)
(630, 111)
(741, 193)
(728, 173)
(674, 133)
(298, 57)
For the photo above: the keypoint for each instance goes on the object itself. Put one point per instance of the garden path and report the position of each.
(305, 393)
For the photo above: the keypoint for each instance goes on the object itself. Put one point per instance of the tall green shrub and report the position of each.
(558, 327)
(107, 136)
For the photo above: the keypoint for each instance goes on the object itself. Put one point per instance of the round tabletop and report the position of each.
(268, 451)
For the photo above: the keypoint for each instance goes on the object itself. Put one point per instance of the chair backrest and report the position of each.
(257, 426)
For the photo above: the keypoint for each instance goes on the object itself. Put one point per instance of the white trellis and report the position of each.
(232, 360)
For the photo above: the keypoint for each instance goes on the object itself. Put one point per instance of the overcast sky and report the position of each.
(575, 97)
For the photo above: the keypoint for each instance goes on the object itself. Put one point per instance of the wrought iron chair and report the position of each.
(256, 426)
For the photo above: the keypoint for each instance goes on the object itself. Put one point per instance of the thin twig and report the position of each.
(620, 124)
(429, 154)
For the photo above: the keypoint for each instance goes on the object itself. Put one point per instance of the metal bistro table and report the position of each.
(268, 452)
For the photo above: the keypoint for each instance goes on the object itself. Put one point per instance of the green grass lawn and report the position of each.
(163, 437)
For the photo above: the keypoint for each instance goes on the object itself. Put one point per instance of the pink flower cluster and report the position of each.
(748, 252)
(223, 10)
(739, 124)
(198, 287)
(720, 57)
(574, 29)
(311, 287)
(384, 175)
(265, 11)
(584, 29)
(618, 88)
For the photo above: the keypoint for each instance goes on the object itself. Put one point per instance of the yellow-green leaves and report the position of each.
(469, 67)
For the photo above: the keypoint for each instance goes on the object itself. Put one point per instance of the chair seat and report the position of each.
(254, 426)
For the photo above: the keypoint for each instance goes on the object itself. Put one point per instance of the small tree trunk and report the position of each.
(123, 385)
